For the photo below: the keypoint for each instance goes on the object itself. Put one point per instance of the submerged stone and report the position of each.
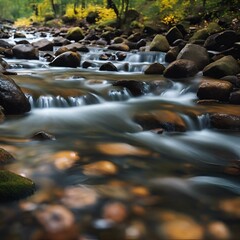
(5, 157)
(14, 187)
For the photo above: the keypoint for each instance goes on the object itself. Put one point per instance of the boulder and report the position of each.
(181, 68)
(43, 45)
(25, 51)
(5, 44)
(154, 68)
(215, 89)
(108, 66)
(225, 121)
(221, 41)
(60, 41)
(75, 34)
(195, 53)
(77, 47)
(19, 35)
(159, 43)
(67, 59)
(12, 99)
(173, 34)
(222, 67)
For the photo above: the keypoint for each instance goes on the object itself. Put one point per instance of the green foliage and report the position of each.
(14, 187)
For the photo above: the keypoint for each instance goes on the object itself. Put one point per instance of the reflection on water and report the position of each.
(107, 177)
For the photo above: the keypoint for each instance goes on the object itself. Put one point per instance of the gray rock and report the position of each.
(25, 51)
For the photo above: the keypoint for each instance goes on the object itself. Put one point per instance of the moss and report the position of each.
(14, 187)
(75, 34)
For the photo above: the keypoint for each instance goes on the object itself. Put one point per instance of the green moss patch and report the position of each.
(14, 187)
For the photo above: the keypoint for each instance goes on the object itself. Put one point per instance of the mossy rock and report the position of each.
(14, 187)
(75, 34)
(159, 43)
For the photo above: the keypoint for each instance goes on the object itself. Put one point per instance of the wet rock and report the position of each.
(5, 157)
(14, 187)
(12, 99)
(235, 97)
(118, 40)
(77, 47)
(181, 68)
(19, 35)
(201, 34)
(108, 67)
(225, 121)
(100, 168)
(224, 66)
(121, 56)
(172, 54)
(3, 65)
(60, 41)
(159, 86)
(231, 206)
(67, 59)
(173, 34)
(119, 47)
(160, 120)
(221, 41)
(65, 159)
(135, 37)
(181, 227)
(234, 80)
(115, 211)
(25, 51)
(137, 88)
(5, 44)
(79, 197)
(43, 45)
(61, 50)
(218, 231)
(215, 89)
(195, 53)
(55, 218)
(159, 43)
(42, 136)
(154, 68)
(87, 64)
(75, 34)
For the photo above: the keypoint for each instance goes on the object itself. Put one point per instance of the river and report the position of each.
(105, 176)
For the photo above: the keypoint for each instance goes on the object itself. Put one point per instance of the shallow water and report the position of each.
(191, 175)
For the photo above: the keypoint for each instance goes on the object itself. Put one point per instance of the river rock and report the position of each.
(25, 51)
(215, 89)
(14, 187)
(195, 53)
(137, 88)
(173, 34)
(181, 68)
(119, 47)
(60, 41)
(222, 67)
(159, 43)
(221, 41)
(12, 99)
(5, 44)
(165, 120)
(77, 47)
(43, 45)
(19, 35)
(135, 37)
(235, 97)
(5, 157)
(67, 59)
(235, 80)
(75, 34)
(61, 50)
(225, 121)
(108, 66)
(172, 54)
(154, 68)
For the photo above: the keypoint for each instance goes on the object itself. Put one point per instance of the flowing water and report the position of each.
(188, 176)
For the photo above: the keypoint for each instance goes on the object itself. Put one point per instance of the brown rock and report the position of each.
(43, 45)
(119, 47)
(25, 51)
(214, 89)
(12, 99)
(67, 59)
(155, 68)
(5, 157)
(225, 121)
(116, 212)
(108, 67)
(181, 68)
(235, 97)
